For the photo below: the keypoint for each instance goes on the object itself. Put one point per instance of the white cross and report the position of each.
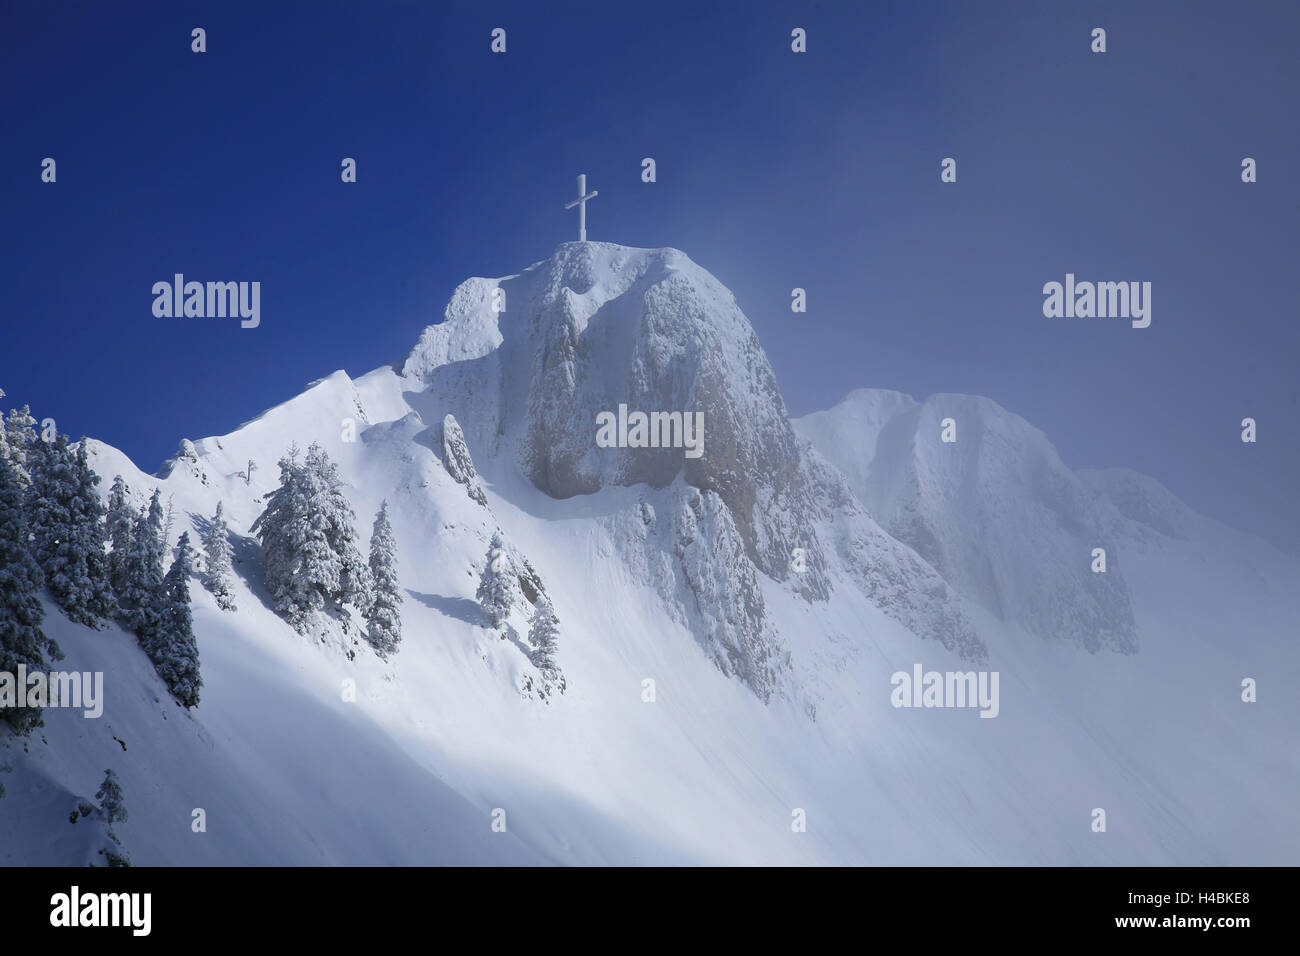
(581, 203)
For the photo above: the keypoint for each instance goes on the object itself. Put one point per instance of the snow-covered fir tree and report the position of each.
(293, 549)
(498, 587)
(20, 435)
(383, 618)
(112, 809)
(142, 595)
(340, 529)
(61, 537)
(88, 523)
(4, 440)
(112, 804)
(544, 635)
(310, 557)
(168, 517)
(49, 494)
(119, 528)
(21, 639)
(218, 572)
(171, 645)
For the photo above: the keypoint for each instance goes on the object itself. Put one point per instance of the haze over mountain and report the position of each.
(768, 590)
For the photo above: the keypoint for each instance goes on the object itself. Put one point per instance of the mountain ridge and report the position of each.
(767, 692)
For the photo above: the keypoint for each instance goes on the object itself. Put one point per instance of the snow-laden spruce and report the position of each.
(22, 642)
(498, 587)
(310, 556)
(141, 596)
(171, 645)
(65, 514)
(326, 487)
(296, 560)
(111, 810)
(119, 527)
(217, 553)
(111, 800)
(383, 617)
(19, 435)
(4, 438)
(544, 636)
(91, 534)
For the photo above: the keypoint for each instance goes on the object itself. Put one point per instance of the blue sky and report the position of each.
(775, 170)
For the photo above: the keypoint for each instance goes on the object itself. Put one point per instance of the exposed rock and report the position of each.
(456, 459)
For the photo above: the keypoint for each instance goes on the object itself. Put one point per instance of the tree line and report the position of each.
(98, 563)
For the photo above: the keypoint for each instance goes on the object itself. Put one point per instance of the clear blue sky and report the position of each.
(775, 170)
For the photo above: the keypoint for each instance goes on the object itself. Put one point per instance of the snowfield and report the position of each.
(712, 690)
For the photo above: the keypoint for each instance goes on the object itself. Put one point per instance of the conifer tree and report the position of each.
(292, 547)
(66, 518)
(543, 635)
(310, 557)
(4, 439)
(217, 554)
(20, 435)
(340, 531)
(112, 808)
(141, 597)
(119, 527)
(22, 642)
(171, 645)
(59, 518)
(498, 587)
(88, 523)
(383, 619)
(169, 516)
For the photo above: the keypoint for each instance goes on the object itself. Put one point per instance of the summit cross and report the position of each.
(581, 203)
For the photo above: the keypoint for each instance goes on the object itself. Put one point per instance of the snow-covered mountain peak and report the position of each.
(528, 362)
(984, 497)
(601, 271)
(583, 276)
(804, 561)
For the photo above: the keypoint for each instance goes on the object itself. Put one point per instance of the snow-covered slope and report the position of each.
(713, 689)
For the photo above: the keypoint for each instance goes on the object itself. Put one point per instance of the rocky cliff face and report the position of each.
(597, 326)
(456, 459)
